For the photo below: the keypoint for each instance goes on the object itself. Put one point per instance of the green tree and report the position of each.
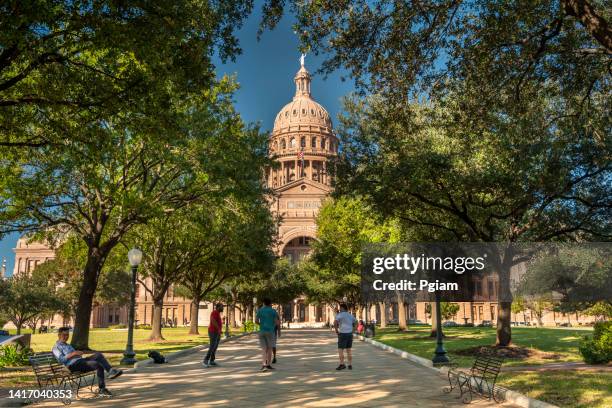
(519, 306)
(134, 173)
(65, 65)
(65, 270)
(522, 154)
(403, 48)
(488, 181)
(448, 310)
(344, 226)
(25, 298)
(602, 310)
(580, 275)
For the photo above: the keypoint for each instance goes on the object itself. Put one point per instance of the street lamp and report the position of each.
(134, 257)
(440, 354)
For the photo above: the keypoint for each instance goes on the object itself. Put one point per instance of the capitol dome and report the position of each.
(302, 110)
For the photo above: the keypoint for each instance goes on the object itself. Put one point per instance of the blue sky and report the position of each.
(265, 71)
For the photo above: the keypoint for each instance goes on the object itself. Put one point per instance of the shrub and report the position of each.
(598, 349)
(250, 326)
(117, 326)
(13, 355)
(143, 326)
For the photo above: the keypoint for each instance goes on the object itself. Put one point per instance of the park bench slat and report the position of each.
(50, 373)
(480, 379)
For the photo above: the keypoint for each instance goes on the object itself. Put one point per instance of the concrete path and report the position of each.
(305, 376)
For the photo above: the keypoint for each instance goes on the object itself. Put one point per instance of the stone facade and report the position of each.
(176, 310)
(302, 141)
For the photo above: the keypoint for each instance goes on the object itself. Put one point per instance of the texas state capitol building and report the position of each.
(302, 141)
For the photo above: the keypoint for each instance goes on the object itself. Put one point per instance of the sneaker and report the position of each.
(269, 367)
(205, 364)
(341, 367)
(274, 360)
(212, 363)
(104, 392)
(114, 373)
(350, 367)
(263, 368)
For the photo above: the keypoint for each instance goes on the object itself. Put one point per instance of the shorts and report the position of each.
(265, 339)
(345, 340)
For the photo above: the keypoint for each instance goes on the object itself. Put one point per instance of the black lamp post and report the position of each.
(135, 257)
(440, 354)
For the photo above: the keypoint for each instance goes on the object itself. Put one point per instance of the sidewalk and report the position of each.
(305, 376)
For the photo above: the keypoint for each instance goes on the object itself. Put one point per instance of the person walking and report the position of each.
(214, 335)
(268, 319)
(343, 325)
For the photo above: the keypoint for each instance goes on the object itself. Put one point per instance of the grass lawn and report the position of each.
(558, 345)
(112, 344)
(565, 388)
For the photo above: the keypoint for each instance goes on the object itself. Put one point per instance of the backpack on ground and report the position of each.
(157, 357)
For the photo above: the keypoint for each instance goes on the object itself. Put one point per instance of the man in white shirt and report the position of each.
(343, 324)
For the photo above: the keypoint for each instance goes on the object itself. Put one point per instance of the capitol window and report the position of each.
(312, 112)
(303, 141)
(292, 143)
(283, 144)
(313, 142)
(295, 112)
(303, 111)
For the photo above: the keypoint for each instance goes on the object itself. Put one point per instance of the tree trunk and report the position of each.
(401, 313)
(504, 315)
(504, 332)
(156, 334)
(383, 315)
(434, 323)
(82, 319)
(233, 315)
(195, 309)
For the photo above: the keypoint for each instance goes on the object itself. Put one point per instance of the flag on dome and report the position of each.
(301, 155)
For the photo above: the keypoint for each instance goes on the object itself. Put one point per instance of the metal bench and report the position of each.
(479, 380)
(50, 374)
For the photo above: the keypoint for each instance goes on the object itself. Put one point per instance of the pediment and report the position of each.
(304, 186)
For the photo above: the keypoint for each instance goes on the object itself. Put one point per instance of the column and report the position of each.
(310, 169)
(324, 172)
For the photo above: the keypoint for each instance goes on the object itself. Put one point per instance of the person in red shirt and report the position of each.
(214, 334)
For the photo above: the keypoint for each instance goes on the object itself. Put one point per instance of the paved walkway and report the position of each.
(305, 376)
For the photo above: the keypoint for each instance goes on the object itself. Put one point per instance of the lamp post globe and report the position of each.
(134, 258)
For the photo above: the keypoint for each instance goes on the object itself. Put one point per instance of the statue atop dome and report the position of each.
(302, 57)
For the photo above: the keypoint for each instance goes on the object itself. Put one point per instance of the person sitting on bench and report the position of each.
(75, 362)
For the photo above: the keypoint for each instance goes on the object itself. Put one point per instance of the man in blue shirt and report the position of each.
(267, 318)
(75, 362)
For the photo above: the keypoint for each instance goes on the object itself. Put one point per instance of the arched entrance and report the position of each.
(297, 248)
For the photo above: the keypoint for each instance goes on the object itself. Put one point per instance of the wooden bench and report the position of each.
(479, 380)
(50, 374)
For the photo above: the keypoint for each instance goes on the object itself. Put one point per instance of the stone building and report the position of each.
(176, 309)
(302, 141)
